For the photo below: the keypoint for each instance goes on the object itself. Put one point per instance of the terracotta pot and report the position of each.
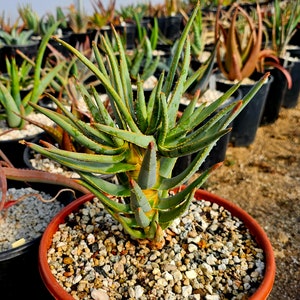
(262, 292)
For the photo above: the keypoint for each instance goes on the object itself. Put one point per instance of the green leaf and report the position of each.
(138, 139)
(138, 198)
(148, 171)
(97, 185)
(170, 215)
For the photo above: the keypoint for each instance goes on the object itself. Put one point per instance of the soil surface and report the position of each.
(264, 179)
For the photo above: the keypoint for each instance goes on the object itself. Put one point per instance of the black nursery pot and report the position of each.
(170, 26)
(9, 51)
(276, 95)
(19, 273)
(245, 125)
(291, 96)
(14, 150)
(129, 32)
(217, 153)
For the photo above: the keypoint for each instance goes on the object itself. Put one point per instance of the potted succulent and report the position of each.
(140, 142)
(16, 38)
(282, 26)
(239, 57)
(14, 99)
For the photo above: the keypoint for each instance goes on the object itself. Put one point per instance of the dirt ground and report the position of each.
(264, 179)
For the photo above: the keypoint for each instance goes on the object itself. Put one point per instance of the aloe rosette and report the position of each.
(141, 141)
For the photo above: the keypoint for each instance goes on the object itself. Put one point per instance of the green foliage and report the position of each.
(16, 37)
(141, 140)
(283, 23)
(29, 17)
(102, 16)
(15, 105)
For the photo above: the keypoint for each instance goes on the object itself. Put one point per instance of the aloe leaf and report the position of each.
(15, 86)
(84, 157)
(149, 71)
(125, 75)
(141, 218)
(147, 174)
(138, 198)
(199, 115)
(94, 183)
(140, 106)
(173, 103)
(202, 75)
(76, 133)
(179, 197)
(106, 83)
(130, 229)
(164, 128)
(79, 164)
(180, 45)
(136, 65)
(191, 146)
(154, 107)
(152, 229)
(170, 215)
(138, 139)
(189, 110)
(99, 59)
(11, 109)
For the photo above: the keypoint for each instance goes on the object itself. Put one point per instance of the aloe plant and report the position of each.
(16, 37)
(102, 16)
(140, 142)
(240, 52)
(14, 104)
(283, 23)
(29, 17)
(241, 45)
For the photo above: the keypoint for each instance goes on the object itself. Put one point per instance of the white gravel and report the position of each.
(26, 219)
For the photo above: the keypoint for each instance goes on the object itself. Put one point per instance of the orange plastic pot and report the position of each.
(261, 238)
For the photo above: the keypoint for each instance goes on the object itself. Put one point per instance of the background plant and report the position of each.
(14, 103)
(16, 37)
(282, 21)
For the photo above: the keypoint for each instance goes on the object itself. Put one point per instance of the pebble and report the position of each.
(190, 266)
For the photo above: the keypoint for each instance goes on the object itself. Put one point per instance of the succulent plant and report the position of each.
(16, 37)
(141, 141)
(14, 104)
(241, 45)
(283, 23)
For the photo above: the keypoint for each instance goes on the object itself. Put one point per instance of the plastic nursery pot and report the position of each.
(129, 32)
(218, 152)
(10, 51)
(245, 125)
(275, 96)
(13, 149)
(170, 26)
(19, 273)
(291, 96)
(261, 293)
